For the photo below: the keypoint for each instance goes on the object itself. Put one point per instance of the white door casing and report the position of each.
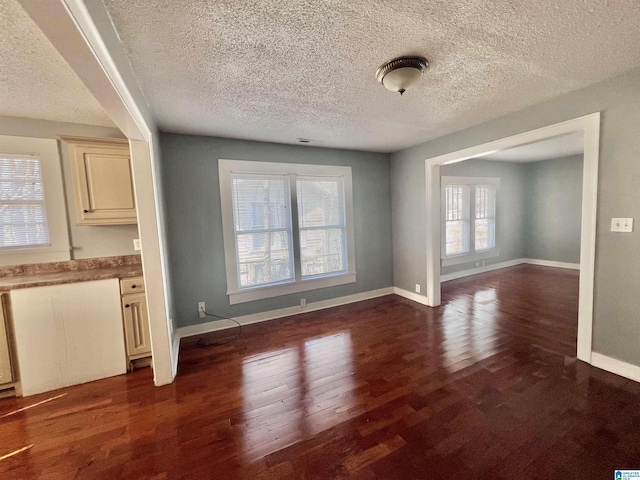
(589, 126)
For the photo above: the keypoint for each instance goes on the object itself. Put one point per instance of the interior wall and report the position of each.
(510, 205)
(616, 330)
(553, 209)
(190, 165)
(86, 241)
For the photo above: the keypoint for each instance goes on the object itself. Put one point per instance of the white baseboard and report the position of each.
(416, 297)
(550, 263)
(508, 263)
(486, 268)
(216, 325)
(613, 365)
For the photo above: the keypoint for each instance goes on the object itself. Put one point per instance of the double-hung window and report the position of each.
(23, 213)
(33, 221)
(287, 228)
(468, 219)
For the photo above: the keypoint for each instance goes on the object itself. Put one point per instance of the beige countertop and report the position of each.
(14, 280)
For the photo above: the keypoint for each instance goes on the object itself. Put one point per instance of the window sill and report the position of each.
(27, 255)
(470, 257)
(259, 293)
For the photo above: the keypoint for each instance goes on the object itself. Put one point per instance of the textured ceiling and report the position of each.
(556, 147)
(35, 81)
(276, 70)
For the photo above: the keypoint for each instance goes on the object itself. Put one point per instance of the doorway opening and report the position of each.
(588, 129)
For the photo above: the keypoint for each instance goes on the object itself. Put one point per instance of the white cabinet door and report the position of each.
(136, 325)
(68, 334)
(103, 181)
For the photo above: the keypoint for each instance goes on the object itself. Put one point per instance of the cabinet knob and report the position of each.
(86, 211)
(127, 306)
(133, 286)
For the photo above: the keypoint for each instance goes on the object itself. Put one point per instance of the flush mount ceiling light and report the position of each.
(401, 73)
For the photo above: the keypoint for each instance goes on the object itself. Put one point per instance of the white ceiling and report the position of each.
(276, 70)
(556, 147)
(35, 81)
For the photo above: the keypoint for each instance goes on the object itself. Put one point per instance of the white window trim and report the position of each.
(58, 250)
(472, 256)
(241, 295)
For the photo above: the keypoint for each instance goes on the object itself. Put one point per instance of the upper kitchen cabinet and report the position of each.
(102, 179)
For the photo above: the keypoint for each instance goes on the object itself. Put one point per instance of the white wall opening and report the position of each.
(72, 29)
(589, 127)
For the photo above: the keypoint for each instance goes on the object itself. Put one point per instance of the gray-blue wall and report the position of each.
(192, 203)
(553, 209)
(616, 329)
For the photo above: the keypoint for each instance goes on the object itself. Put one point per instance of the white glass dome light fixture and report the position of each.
(401, 73)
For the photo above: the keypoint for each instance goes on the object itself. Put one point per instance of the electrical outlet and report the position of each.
(624, 225)
(417, 288)
(136, 244)
(477, 264)
(303, 302)
(201, 310)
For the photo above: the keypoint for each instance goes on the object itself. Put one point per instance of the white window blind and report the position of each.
(262, 218)
(457, 219)
(322, 225)
(485, 218)
(287, 228)
(23, 214)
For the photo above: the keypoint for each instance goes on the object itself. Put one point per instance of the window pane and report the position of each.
(456, 237)
(23, 215)
(320, 201)
(485, 232)
(482, 234)
(321, 219)
(260, 202)
(322, 251)
(485, 202)
(456, 205)
(457, 219)
(264, 258)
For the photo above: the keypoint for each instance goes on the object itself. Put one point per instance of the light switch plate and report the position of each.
(624, 225)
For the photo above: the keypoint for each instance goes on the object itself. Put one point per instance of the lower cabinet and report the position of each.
(6, 370)
(136, 319)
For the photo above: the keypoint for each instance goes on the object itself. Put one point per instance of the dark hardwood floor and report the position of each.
(486, 386)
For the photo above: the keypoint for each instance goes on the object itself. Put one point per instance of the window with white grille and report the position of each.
(457, 219)
(23, 212)
(485, 218)
(287, 228)
(468, 219)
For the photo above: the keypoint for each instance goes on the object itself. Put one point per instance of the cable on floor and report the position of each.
(202, 342)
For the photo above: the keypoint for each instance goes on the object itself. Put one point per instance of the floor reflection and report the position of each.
(293, 393)
(469, 329)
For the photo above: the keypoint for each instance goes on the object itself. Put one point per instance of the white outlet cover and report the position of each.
(136, 244)
(623, 225)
